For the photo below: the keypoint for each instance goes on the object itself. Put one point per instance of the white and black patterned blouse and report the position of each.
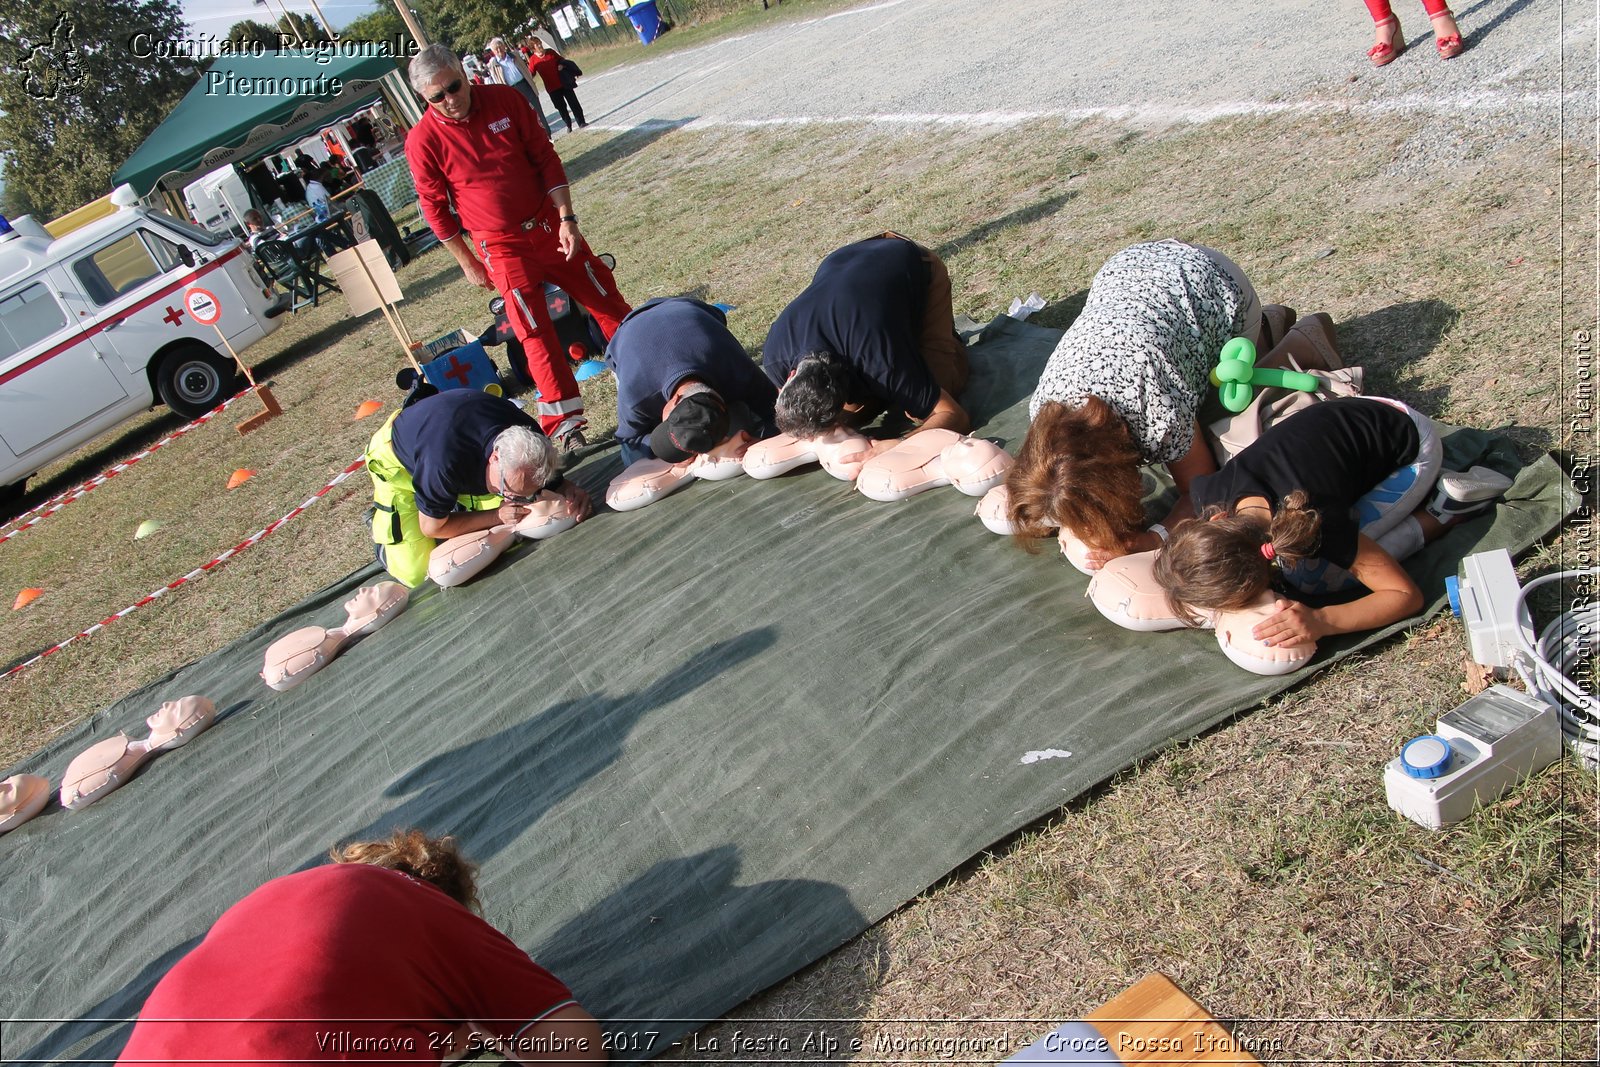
(1152, 327)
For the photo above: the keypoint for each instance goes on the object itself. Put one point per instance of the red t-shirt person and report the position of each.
(349, 962)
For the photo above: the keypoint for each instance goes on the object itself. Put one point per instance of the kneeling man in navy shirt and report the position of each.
(684, 383)
(873, 332)
(452, 464)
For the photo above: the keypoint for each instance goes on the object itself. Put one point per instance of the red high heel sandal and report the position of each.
(1449, 45)
(1383, 54)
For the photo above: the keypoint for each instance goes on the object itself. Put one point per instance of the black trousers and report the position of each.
(566, 101)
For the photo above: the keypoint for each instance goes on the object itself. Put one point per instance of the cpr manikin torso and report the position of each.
(104, 766)
(931, 458)
(292, 659)
(460, 559)
(840, 451)
(648, 480)
(22, 796)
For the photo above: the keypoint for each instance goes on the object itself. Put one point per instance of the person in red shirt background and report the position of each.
(483, 165)
(377, 956)
(546, 62)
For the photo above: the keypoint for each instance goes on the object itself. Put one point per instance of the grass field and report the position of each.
(1257, 865)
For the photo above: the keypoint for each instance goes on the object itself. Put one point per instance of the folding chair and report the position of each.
(286, 267)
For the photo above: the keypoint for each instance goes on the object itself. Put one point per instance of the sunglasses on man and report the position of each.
(449, 90)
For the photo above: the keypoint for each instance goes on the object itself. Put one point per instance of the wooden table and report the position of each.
(1155, 1022)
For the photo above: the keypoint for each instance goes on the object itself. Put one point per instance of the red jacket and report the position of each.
(497, 165)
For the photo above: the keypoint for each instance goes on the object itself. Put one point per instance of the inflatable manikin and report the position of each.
(460, 559)
(932, 458)
(1125, 591)
(104, 766)
(22, 796)
(297, 656)
(841, 453)
(649, 480)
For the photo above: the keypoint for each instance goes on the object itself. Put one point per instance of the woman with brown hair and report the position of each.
(378, 955)
(1122, 389)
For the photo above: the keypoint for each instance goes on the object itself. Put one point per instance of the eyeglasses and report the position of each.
(507, 496)
(449, 90)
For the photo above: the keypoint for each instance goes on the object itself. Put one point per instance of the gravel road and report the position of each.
(1528, 72)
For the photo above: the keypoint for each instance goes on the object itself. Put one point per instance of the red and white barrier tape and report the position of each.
(67, 496)
(210, 565)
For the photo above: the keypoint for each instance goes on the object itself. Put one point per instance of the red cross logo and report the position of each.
(458, 370)
(173, 315)
(558, 305)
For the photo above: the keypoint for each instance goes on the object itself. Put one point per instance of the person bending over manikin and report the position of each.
(874, 332)
(684, 383)
(380, 955)
(456, 463)
(1325, 501)
(1123, 388)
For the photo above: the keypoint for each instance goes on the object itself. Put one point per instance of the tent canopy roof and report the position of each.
(242, 101)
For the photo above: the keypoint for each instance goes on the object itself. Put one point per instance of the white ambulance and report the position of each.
(94, 328)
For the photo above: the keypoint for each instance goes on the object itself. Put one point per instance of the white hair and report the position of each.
(522, 448)
(501, 41)
(431, 62)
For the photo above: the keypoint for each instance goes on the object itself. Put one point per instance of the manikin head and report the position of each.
(439, 78)
(179, 714)
(522, 462)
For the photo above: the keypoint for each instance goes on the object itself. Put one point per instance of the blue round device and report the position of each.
(1427, 756)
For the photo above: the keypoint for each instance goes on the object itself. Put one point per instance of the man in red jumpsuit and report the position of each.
(483, 166)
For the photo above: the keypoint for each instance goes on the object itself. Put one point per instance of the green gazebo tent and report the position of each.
(246, 106)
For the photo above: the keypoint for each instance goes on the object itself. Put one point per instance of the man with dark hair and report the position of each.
(483, 164)
(873, 332)
(684, 383)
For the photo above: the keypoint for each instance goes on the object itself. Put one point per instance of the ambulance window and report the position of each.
(115, 269)
(198, 234)
(27, 317)
(168, 255)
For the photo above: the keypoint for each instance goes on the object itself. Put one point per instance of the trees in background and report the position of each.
(76, 99)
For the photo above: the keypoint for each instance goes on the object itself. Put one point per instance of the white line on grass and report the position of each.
(1483, 102)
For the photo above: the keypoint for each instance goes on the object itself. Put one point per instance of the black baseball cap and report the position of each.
(699, 423)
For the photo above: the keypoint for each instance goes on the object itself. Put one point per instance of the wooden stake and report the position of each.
(263, 394)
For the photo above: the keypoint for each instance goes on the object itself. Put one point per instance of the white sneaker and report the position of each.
(1459, 495)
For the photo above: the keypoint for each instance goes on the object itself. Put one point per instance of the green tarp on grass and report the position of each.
(694, 747)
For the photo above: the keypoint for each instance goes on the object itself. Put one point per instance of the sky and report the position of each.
(216, 16)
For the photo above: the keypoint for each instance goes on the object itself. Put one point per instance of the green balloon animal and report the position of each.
(1236, 376)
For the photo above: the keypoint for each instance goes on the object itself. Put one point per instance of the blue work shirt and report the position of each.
(865, 305)
(444, 442)
(667, 340)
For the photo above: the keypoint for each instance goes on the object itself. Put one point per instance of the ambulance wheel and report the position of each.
(193, 380)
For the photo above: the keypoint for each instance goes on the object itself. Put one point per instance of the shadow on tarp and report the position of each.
(536, 763)
(685, 932)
